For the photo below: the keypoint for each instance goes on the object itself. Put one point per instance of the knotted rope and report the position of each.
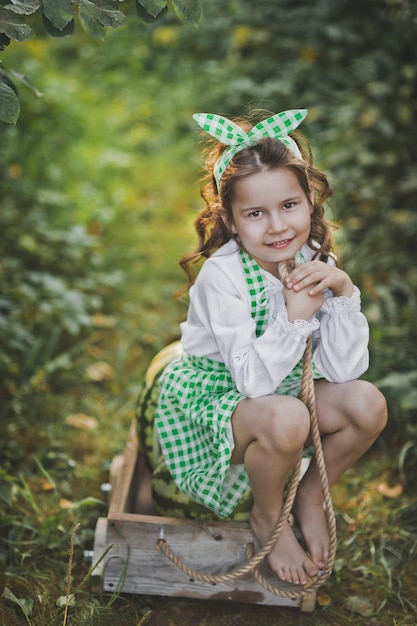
(254, 560)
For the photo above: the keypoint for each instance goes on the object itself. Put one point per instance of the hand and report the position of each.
(315, 276)
(300, 304)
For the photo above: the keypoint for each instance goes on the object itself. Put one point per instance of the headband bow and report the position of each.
(277, 126)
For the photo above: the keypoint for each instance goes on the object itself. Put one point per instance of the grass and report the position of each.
(62, 463)
(373, 580)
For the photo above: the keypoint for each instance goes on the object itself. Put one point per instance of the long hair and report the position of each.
(212, 223)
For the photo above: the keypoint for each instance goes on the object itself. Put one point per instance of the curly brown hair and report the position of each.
(212, 222)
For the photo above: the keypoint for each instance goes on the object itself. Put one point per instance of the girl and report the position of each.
(229, 417)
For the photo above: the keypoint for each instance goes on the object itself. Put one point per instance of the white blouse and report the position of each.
(220, 326)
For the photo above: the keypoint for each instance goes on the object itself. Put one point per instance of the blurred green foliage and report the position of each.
(53, 275)
(58, 20)
(99, 189)
(116, 109)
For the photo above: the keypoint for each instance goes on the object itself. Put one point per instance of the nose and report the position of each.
(276, 222)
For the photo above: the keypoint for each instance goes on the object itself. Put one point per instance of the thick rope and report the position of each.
(254, 560)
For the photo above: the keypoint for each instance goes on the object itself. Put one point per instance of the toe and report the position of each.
(287, 574)
(311, 569)
(281, 574)
(319, 560)
(299, 577)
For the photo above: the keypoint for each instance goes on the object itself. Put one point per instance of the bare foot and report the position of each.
(287, 559)
(310, 516)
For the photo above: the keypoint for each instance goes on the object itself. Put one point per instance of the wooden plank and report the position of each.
(122, 475)
(100, 546)
(308, 602)
(210, 547)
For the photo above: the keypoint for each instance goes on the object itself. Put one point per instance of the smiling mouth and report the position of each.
(279, 244)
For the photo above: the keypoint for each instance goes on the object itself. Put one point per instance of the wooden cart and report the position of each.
(134, 564)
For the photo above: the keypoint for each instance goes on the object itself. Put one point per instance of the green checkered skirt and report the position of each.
(198, 397)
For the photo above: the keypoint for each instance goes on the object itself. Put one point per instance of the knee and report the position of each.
(372, 414)
(287, 424)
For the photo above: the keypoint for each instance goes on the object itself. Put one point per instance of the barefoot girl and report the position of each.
(229, 416)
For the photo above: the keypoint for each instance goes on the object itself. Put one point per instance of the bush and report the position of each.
(53, 274)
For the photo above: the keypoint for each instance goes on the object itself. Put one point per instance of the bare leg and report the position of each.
(350, 417)
(269, 434)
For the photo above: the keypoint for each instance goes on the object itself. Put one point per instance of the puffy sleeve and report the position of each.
(341, 344)
(220, 305)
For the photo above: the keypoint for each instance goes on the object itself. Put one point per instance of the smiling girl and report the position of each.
(229, 417)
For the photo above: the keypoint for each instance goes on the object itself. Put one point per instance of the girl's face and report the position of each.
(271, 216)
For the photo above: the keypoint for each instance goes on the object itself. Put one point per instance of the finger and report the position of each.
(306, 280)
(303, 271)
(317, 289)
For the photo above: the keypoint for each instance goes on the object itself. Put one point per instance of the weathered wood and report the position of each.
(134, 564)
(124, 487)
(212, 548)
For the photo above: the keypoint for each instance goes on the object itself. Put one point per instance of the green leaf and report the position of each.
(59, 12)
(109, 15)
(14, 26)
(153, 7)
(24, 80)
(87, 13)
(146, 17)
(188, 11)
(96, 16)
(57, 32)
(26, 604)
(25, 7)
(63, 601)
(9, 103)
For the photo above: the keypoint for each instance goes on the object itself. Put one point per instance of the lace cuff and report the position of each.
(300, 328)
(339, 305)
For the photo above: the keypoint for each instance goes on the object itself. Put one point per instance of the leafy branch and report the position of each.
(58, 19)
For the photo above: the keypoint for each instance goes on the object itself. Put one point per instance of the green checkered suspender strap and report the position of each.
(256, 283)
(278, 126)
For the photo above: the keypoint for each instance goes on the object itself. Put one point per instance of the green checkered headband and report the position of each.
(277, 126)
